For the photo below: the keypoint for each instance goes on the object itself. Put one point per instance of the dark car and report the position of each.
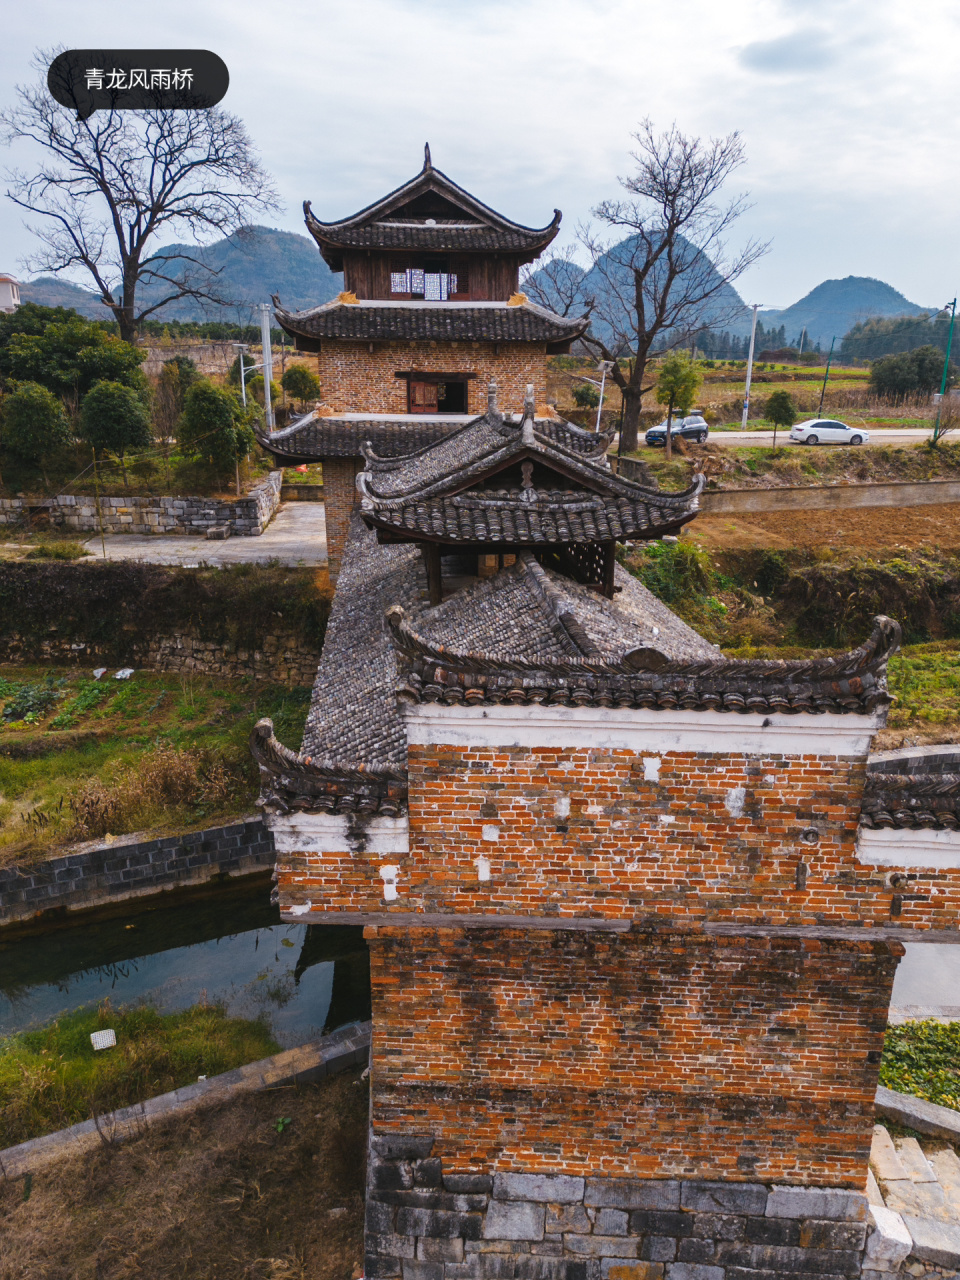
(693, 427)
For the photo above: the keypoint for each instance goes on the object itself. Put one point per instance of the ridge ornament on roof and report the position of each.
(480, 229)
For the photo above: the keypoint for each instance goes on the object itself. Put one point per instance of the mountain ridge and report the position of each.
(261, 261)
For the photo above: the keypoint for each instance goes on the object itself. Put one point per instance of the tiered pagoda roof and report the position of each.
(313, 437)
(383, 320)
(430, 213)
(503, 480)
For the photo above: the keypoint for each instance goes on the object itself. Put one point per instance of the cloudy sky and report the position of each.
(847, 109)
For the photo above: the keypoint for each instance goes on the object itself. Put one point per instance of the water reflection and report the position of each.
(230, 946)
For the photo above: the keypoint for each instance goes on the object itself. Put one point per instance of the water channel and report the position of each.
(221, 944)
(227, 943)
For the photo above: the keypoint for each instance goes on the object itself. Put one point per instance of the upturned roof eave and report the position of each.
(428, 179)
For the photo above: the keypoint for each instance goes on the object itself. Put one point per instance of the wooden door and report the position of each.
(423, 397)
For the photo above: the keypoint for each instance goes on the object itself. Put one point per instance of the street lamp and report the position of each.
(603, 368)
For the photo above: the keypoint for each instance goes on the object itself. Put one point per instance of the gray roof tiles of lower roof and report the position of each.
(353, 714)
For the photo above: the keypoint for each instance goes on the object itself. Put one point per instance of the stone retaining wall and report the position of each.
(117, 871)
(284, 658)
(244, 517)
(427, 1221)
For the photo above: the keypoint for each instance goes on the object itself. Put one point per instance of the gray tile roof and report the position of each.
(446, 491)
(431, 322)
(317, 438)
(374, 227)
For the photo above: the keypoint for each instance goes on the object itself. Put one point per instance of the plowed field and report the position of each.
(864, 529)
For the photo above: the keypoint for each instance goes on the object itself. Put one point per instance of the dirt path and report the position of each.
(864, 529)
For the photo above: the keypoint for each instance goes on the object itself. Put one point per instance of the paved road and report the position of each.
(878, 435)
(296, 536)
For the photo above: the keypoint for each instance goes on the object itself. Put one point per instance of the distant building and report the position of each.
(9, 293)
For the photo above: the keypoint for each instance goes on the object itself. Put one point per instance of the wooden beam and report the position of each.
(431, 558)
(609, 564)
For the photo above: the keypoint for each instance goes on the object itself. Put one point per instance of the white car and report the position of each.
(827, 431)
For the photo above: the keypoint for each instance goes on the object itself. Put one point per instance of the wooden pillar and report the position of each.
(609, 563)
(431, 557)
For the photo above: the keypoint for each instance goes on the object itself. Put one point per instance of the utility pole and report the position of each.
(241, 348)
(267, 362)
(746, 393)
(604, 366)
(826, 375)
(946, 368)
(803, 334)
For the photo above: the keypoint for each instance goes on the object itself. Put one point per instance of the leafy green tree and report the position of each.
(781, 411)
(214, 428)
(678, 382)
(586, 396)
(299, 383)
(114, 417)
(255, 388)
(32, 318)
(916, 372)
(68, 357)
(33, 424)
(233, 376)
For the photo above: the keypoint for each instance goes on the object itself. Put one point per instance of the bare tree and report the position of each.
(663, 277)
(110, 189)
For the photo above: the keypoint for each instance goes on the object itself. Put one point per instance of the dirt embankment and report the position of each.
(268, 1187)
(867, 530)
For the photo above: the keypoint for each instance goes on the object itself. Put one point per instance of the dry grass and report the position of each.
(220, 1194)
(161, 779)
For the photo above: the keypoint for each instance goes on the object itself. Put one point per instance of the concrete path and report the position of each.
(297, 535)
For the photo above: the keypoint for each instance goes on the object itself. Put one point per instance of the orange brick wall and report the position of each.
(581, 832)
(642, 1054)
(355, 379)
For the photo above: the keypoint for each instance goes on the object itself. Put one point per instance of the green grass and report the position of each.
(81, 758)
(53, 1077)
(923, 1059)
(926, 681)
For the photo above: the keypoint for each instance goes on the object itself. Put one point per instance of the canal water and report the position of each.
(226, 945)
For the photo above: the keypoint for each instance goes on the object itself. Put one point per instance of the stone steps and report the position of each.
(919, 1190)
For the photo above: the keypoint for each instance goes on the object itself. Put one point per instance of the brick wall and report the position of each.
(641, 1054)
(575, 831)
(339, 499)
(355, 379)
(127, 870)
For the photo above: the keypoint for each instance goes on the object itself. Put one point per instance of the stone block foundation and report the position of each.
(426, 1223)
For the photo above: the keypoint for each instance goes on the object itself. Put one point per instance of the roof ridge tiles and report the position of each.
(854, 682)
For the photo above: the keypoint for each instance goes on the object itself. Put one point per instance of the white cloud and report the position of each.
(846, 108)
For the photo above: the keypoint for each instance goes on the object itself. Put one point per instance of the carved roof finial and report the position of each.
(529, 413)
(492, 396)
(427, 162)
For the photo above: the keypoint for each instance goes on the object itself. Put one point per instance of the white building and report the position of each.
(9, 293)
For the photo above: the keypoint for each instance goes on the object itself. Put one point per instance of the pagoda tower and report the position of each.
(429, 314)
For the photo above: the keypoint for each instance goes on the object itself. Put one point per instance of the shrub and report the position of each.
(586, 396)
(213, 427)
(33, 423)
(58, 551)
(114, 417)
(300, 383)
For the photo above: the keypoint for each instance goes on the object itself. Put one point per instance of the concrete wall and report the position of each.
(246, 517)
(830, 497)
(128, 870)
